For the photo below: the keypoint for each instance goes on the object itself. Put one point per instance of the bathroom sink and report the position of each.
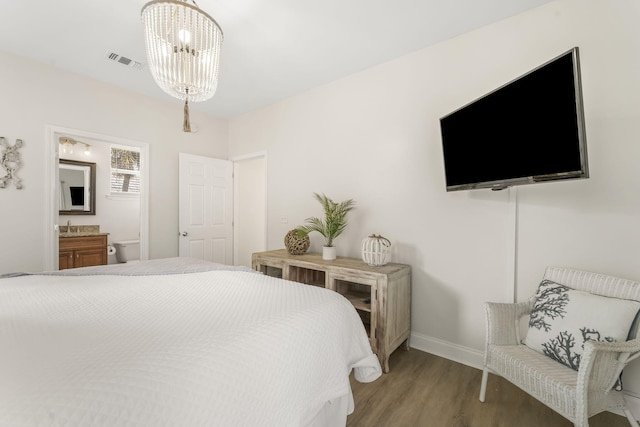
(80, 230)
(81, 234)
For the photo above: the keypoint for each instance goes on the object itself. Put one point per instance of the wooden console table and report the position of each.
(381, 295)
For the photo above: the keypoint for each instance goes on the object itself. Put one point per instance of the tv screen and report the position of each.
(529, 130)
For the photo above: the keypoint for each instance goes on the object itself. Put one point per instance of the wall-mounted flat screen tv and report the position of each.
(529, 130)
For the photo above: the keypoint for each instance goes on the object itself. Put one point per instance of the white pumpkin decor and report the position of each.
(376, 250)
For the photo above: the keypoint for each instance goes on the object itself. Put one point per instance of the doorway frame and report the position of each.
(237, 161)
(52, 157)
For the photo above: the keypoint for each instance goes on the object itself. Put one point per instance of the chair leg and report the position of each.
(630, 417)
(483, 385)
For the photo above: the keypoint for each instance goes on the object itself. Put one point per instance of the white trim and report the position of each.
(125, 147)
(249, 156)
(50, 222)
(144, 201)
(52, 134)
(457, 353)
(633, 403)
(122, 196)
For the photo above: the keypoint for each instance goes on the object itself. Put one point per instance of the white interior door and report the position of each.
(206, 208)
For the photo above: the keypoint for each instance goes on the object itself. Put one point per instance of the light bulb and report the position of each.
(87, 150)
(184, 36)
(166, 49)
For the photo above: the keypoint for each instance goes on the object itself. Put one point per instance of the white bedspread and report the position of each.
(219, 348)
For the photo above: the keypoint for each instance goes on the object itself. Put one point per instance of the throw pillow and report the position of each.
(563, 319)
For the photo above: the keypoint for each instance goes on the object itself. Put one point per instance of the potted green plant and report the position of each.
(334, 223)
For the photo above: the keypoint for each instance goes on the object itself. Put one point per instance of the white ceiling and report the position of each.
(272, 49)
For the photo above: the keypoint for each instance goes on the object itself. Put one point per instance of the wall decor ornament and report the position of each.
(11, 162)
(375, 250)
(297, 242)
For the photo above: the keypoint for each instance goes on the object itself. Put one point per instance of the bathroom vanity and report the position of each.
(82, 249)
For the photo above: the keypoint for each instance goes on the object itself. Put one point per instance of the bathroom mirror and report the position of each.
(77, 187)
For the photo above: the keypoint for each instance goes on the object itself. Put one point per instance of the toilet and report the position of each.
(127, 250)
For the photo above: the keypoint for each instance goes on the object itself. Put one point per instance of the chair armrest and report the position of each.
(502, 321)
(631, 346)
(602, 363)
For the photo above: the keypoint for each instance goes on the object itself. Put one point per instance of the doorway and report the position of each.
(250, 206)
(223, 208)
(99, 144)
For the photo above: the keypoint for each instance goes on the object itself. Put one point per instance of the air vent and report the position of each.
(124, 60)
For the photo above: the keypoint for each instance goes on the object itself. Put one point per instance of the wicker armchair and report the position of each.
(575, 395)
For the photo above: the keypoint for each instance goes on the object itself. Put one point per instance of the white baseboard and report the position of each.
(475, 359)
(633, 403)
(457, 353)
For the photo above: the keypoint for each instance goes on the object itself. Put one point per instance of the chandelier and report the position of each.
(183, 50)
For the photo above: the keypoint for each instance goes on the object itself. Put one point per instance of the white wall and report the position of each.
(35, 95)
(374, 136)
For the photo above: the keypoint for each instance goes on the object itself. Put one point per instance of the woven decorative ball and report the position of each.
(295, 244)
(375, 250)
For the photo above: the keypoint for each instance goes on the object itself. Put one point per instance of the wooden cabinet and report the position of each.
(380, 295)
(82, 251)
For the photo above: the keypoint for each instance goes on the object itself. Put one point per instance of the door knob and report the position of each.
(184, 234)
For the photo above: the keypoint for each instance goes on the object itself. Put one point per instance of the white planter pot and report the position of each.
(328, 253)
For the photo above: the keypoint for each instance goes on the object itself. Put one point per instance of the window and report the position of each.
(125, 170)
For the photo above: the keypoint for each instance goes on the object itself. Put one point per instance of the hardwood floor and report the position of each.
(426, 390)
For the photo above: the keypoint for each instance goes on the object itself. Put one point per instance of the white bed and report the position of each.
(226, 347)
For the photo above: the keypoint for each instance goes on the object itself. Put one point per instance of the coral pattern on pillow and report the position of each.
(563, 319)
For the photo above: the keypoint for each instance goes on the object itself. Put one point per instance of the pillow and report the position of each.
(563, 319)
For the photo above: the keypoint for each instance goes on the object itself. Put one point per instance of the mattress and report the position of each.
(226, 347)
